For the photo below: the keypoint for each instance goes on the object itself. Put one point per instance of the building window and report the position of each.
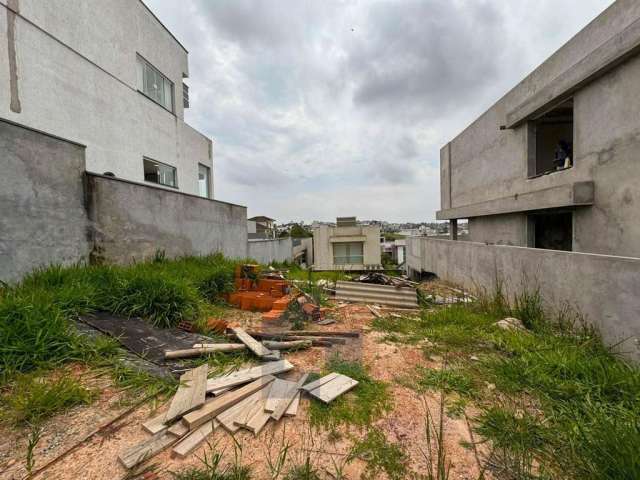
(550, 141)
(348, 253)
(185, 95)
(552, 231)
(204, 181)
(154, 84)
(160, 173)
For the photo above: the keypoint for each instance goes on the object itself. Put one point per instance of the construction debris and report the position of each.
(332, 389)
(190, 418)
(253, 345)
(395, 296)
(290, 345)
(203, 349)
(378, 278)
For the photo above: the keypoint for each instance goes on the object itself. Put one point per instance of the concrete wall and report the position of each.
(509, 229)
(132, 221)
(324, 236)
(42, 215)
(604, 289)
(485, 167)
(274, 250)
(79, 81)
(303, 246)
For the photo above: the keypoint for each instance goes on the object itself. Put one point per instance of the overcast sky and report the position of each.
(327, 108)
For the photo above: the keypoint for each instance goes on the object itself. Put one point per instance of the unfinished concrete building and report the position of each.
(548, 178)
(348, 246)
(554, 163)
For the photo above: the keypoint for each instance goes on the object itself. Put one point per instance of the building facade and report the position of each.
(107, 75)
(347, 246)
(555, 164)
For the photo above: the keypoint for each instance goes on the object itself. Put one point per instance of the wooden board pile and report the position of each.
(247, 399)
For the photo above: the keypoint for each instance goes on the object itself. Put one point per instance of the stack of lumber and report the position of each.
(245, 399)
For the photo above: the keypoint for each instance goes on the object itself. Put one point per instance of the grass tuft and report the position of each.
(33, 398)
(381, 456)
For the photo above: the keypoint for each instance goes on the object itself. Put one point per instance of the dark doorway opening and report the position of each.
(553, 231)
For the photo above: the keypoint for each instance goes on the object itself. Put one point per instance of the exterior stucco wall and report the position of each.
(131, 222)
(484, 163)
(275, 250)
(604, 289)
(510, 229)
(42, 213)
(323, 249)
(79, 81)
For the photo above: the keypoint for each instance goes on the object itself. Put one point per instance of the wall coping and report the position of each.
(541, 250)
(153, 187)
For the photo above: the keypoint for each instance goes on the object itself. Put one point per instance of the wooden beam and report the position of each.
(293, 345)
(251, 343)
(279, 389)
(196, 352)
(292, 411)
(282, 405)
(228, 417)
(156, 424)
(247, 375)
(147, 449)
(195, 438)
(221, 403)
(309, 333)
(191, 393)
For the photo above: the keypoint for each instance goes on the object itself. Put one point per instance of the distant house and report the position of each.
(261, 227)
(346, 246)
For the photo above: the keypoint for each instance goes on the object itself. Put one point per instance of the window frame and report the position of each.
(175, 173)
(208, 180)
(141, 62)
(348, 257)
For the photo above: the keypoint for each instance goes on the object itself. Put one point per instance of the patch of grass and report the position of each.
(304, 471)
(381, 456)
(367, 401)
(33, 398)
(447, 379)
(213, 469)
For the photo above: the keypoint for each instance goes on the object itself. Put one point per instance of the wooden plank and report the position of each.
(333, 389)
(191, 393)
(147, 449)
(196, 352)
(292, 411)
(179, 429)
(279, 390)
(253, 345)
(257, 418)
(310, 333)
(245, 376)
(282, 405)
(156, 424)
(228, 417)
(321, 381)
(195, 438)
(295, 344)
(374, 311)
(221, 403)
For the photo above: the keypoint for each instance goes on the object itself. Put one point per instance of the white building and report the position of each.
(347, 246)
(108, 75)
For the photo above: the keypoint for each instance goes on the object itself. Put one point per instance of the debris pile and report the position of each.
(247, 399)
(394, 296)
(378, 278)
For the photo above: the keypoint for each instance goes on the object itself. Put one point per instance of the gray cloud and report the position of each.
(320, 108)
